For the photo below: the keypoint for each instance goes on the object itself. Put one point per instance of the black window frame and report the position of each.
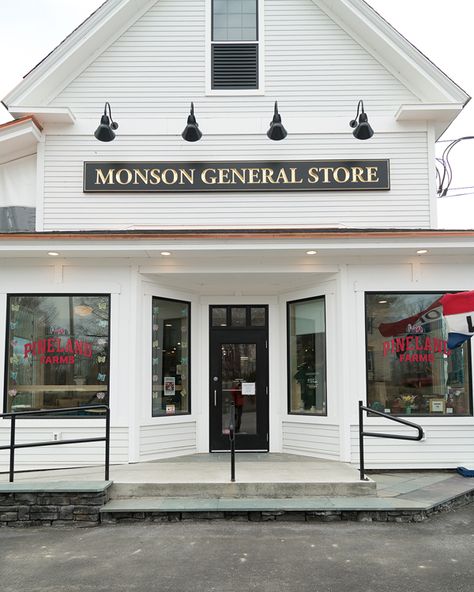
(248, 319)
(7, 347)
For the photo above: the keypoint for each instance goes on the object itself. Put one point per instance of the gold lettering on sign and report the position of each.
(372, 174)
(346, 177)
(253, 176)
(108, 179)
(267, 176)
(294, 178)
(326, 171)
(208, 180)
(184, 174)
(348, 174)
(282, 177)
(357, 174)
(166, 174)
(155, 177)
(224, 177)
(143, 176)
(313, 175)
(128, 177)
(236, 174)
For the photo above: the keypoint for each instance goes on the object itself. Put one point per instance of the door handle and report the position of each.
(215, 397)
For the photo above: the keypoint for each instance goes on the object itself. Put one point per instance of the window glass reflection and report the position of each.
(170, 357)
(58, 352)
(410, 370)
(307, 356)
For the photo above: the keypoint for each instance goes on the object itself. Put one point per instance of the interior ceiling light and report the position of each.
(53, 254)
(83, 310)
(165, 253)
(277, 131)
(106, 130)
(422, 251)
(311, 252)
(362, 130)
(382, 301)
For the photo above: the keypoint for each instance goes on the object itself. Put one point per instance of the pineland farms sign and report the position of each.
(306, 175)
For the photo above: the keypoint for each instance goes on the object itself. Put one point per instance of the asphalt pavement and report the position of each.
(229, 556)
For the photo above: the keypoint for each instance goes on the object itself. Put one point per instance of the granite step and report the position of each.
(242, 490)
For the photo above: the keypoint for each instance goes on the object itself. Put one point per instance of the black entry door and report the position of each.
(239, 375)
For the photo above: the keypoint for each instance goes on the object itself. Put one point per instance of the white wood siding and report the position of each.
(66, 207)
(446, 447)
(317, 440)
(158, 66)
(67, 455)
(167, 440)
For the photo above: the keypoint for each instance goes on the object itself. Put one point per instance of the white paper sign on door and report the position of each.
(248, 388)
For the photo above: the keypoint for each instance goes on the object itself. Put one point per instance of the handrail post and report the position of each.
(40, 412)
(107, 443)
(362, 433)
(232, 441)
(361, 443)
(12, 448)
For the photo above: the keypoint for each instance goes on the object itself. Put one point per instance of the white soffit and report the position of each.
(45, 114)
(401, 57)
(442, 115)
(18, 139)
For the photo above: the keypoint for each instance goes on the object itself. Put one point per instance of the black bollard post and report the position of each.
(232, 441)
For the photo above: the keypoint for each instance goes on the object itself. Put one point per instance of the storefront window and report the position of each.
(307, 356)
(170, 357)
(410, 369)
(57, 352)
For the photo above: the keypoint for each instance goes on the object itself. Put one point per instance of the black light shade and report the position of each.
(363, 130)
(277, 131)
(105, 131)
(192, 133)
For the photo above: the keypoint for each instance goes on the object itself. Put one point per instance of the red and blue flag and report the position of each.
(457, 311)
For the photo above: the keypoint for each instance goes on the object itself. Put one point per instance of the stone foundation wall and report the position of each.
(48, 508)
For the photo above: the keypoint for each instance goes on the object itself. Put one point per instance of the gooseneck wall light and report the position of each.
(277, 131)
(362, 130)
(192, 133)
(106, 130)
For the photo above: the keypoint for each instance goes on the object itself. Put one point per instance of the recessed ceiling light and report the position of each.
(165, 253)
(53, 254)
(311, 252)
(382, 302)
(422, 251)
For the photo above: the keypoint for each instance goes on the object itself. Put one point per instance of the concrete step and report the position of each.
(242, 490)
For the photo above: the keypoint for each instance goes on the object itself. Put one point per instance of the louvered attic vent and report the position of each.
(234, 66)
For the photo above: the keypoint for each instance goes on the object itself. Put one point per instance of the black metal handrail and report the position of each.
(232, 441)
(28, 414)
(410, 424)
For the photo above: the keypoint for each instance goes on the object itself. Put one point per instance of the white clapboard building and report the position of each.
(197, 256)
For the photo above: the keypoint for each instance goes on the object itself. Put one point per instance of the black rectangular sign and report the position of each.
(300, 175)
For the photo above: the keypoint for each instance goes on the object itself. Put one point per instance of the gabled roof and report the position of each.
(440, 97)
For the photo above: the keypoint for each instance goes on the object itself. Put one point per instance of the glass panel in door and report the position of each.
(239, 371)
